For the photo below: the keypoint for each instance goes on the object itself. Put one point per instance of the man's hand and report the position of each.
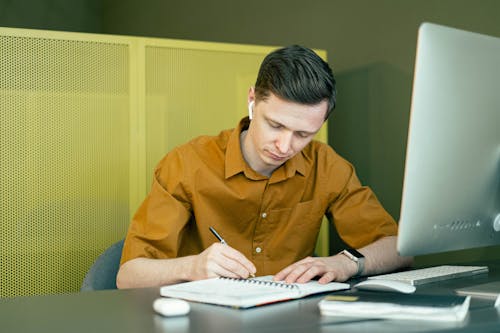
(221, 260)
(381, 256)
(217, 260)
(335, 268)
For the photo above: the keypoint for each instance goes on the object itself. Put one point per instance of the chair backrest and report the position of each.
(102, 273)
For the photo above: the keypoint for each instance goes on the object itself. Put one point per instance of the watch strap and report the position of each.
(358, 258)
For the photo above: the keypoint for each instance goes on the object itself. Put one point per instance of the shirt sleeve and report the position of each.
(358, 216)
(157, 228)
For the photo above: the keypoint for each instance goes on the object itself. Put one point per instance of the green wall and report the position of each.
(73, 15)
(369, 127)
(370, 45)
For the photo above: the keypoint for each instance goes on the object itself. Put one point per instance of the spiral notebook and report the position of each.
(246, 293)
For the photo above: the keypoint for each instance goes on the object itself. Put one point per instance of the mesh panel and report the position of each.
(72, 164)
(193, 92)
(64, 146)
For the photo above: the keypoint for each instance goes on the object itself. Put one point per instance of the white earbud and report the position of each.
(250, 110)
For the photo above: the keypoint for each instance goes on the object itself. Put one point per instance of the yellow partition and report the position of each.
(84, 119)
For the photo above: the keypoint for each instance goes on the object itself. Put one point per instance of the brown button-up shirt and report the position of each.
(274, 221)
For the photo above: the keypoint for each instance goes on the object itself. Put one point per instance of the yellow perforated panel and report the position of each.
(84, 119)
(193, 92)
(64, 146)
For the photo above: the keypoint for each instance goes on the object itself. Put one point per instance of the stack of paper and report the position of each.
(396, 306)
(490, 290)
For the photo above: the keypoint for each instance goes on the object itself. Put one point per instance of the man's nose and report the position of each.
(284, 142)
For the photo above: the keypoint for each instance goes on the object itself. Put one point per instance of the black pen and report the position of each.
(222, 241)
(217, 235)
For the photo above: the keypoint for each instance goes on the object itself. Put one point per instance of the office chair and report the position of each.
(102, 273)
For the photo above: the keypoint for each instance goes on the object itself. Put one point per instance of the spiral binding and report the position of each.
(261, 283)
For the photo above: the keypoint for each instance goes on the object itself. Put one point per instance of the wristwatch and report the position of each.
(357, 257)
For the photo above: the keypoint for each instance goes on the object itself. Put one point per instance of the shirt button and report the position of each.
(258, 250)
(264, 215)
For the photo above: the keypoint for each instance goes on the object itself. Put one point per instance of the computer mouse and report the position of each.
(385, 285)
(169, 307)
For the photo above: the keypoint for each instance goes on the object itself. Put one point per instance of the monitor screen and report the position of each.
(451, 190)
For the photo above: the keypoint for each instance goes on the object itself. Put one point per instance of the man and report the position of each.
(265, 187)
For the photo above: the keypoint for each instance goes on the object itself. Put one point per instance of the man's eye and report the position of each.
(303, 135)
(273, 125)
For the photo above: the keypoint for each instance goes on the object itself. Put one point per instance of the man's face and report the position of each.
(279, 130)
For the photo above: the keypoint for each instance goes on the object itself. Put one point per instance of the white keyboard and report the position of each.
(432, 274)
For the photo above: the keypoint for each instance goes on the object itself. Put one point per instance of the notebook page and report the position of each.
(311, 287)
(217, 287)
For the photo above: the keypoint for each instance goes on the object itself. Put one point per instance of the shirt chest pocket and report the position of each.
(304, 213)
(293, 230)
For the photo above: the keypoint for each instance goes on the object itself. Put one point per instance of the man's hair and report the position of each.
(297, 74)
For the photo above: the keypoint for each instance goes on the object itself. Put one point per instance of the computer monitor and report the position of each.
(451, 190)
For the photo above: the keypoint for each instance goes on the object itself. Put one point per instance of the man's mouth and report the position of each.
(277, 157)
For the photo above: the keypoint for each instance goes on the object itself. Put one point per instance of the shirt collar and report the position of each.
(235, 163)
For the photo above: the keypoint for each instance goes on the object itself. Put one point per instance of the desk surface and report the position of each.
(131, 311)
